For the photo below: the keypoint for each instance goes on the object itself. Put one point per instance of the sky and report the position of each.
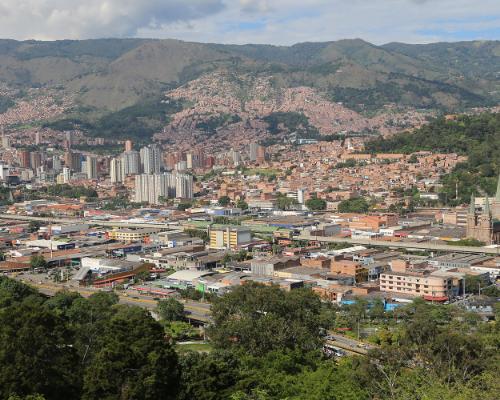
(279, 22)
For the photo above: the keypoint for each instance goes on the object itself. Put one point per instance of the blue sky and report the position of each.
(281, 22)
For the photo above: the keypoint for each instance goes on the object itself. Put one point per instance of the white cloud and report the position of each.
(76, 19)
(252, 21)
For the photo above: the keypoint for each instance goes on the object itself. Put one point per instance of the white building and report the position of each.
(150, 159)
(253, 151)
(56, 163)
(130, 163)
(66, 175)
(150, 187)
(4, 172)
(116, 170)
(184, 186)
(91, 167)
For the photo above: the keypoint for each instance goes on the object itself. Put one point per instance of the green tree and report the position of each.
(36, 355)
(180, 330)
(356, 313)
(413, 159)
(88, 317)
(184, 206)
(377, 310)
(34, 226)
(224, 201)
(258, 319)
(133, 360)
(358, 205)
(473, 283)
(491, 291)
(143, 276)
(276, 249)
(316, 204)
(242, 204)
(208, 376)
(285, 203)
(62, 302)
(38, 261)
(202, 234)
(170, 310)
(12, 291)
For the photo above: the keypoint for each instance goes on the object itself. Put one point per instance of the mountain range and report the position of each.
(108, 75)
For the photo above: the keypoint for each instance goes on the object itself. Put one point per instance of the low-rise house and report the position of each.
(268, 266)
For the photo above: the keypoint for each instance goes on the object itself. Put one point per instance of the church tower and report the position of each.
(480, 227)
(471, 217)
(485, 224)
(495, 206)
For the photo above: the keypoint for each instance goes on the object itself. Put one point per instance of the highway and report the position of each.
(402, 245)
(195, 310)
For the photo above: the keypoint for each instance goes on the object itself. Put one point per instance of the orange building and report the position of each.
(374, 222)
(350, 268)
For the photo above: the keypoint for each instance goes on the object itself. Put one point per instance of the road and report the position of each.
(197, 311)
(349, 344)
(402, 245)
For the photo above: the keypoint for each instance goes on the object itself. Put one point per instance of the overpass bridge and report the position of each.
(425, 246)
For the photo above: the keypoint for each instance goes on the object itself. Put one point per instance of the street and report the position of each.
(195, 310)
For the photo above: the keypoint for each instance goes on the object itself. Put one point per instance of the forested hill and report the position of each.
(476, 136)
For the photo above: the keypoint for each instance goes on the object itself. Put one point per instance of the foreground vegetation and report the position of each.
(265, 345)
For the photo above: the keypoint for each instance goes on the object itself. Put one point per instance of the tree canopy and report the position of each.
(316, 204)
(357, 205)
(260, 319)
(266, 344)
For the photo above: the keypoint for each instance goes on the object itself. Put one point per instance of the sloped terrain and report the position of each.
(330, 83)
